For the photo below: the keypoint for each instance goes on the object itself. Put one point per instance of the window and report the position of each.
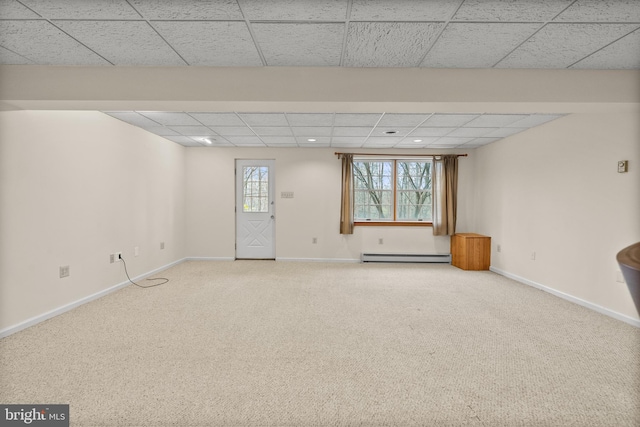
(255, 182)
(392, 191)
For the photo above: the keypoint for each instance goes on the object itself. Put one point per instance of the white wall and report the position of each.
(313, 175)
(554, 190)
(75, 187)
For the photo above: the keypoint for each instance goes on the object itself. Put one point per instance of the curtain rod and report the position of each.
(337, 153)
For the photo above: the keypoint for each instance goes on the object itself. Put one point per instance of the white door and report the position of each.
(255, 209)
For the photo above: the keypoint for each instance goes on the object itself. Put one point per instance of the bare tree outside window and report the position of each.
(392, 190)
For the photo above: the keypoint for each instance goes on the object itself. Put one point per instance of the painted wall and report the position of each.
(555, 191)
(313, 175)
(75, 187)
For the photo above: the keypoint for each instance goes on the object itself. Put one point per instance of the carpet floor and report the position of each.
(263, 343)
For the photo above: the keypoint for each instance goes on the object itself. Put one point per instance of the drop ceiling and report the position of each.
(447, 34)
(347, 130)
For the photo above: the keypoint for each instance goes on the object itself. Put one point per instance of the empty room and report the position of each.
(320, 212)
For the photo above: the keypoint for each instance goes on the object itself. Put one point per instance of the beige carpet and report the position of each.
(262, 343)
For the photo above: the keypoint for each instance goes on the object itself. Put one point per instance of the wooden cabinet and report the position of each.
(470, 251)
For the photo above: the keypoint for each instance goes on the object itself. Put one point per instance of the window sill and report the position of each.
(393, 223)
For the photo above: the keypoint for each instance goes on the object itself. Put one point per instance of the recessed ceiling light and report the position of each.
(207, 140)
(311, 139)
(417, 140)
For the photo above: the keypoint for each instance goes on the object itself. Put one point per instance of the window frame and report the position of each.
(393, 222)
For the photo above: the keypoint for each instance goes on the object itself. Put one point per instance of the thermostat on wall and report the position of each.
(286, 195)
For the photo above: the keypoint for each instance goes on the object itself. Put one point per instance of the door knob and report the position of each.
(273, 217)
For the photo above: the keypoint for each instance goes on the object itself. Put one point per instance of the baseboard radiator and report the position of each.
(416, 258)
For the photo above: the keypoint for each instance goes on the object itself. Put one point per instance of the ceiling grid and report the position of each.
(462, 34)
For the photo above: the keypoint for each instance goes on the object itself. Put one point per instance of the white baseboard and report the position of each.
(203, 258)
(618, 316)
(55, 312)
(318, 260)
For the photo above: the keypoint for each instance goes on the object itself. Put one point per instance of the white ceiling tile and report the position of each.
(202, 43)
(11, 9)
(247, 141)
(191, 130)
(113, 41)
(504, 132)
(447, 146)
(560, 45)
(352, 131)
(372, 140)
(510, 10)
(232, 130)
(348, 140)
(623, 54)
(218, 119)
(471, 132)
(408, 10)
(183, 140)
(161, 130)
(43, 43)
(495, 120)
(170, 118)
(407, 144)
(482, 141)
(310, 119)
(295, 10)
(476, 45)
(382, 131)
(279, 141)
(188, 9)
(434, 131)
(295, 44)
(448, 120)
(323, 141)
(352, 119)
(419, 140)
(264, 119)
(83, 9)
(402, 120)
(311, 131)
(272, 130)
(389, 44)
(10, 58)
(133, 118)
(534, 120)
(602, 11)
(446, 140)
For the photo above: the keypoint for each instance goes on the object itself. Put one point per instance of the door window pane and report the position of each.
(255, 185)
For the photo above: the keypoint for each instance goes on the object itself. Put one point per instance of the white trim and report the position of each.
(618, 316)
(318, 260)
(55, 312)
(204, 258)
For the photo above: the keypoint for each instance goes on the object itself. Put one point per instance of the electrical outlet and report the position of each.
(64, 271)
(118, 256)
(112, 258)
(499, 248)
(381, 241)
(533, 256)
(314, 240)
(161, 245)
(136, 251)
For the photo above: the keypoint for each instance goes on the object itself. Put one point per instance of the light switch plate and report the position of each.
(623, 165)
